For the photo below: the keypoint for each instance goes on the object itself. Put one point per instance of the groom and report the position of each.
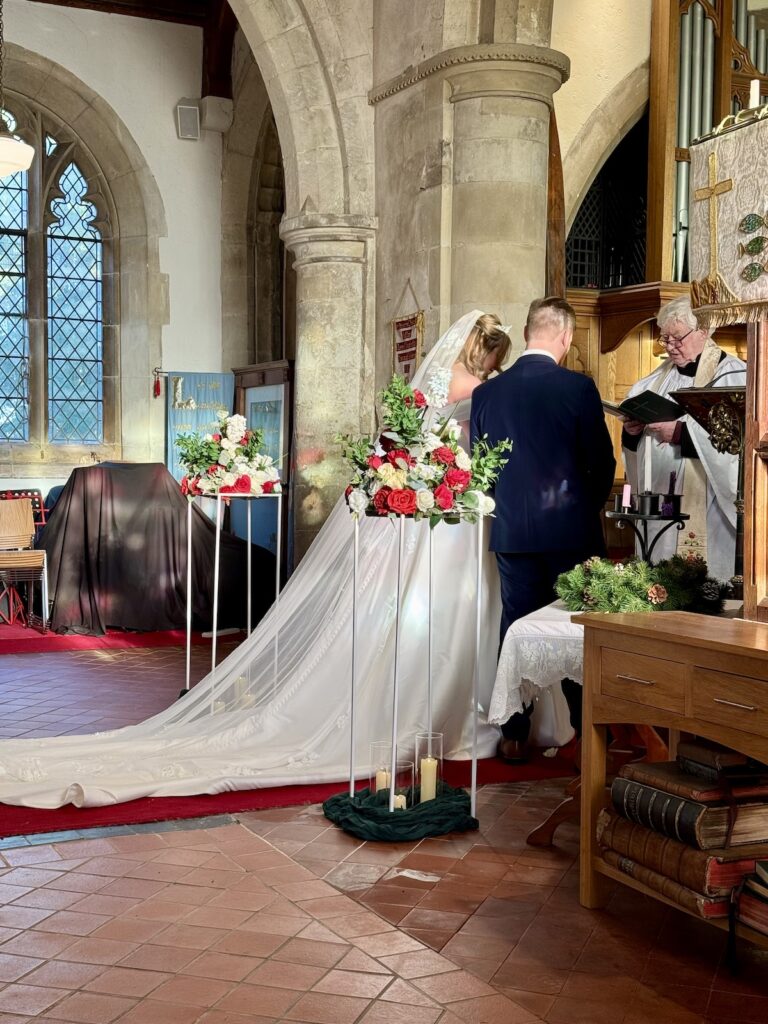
(558, 477)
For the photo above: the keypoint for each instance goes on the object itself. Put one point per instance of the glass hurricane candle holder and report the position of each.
(404, 778)
(429, 764)
(381, 765)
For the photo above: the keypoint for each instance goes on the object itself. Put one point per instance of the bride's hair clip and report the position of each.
(436, 391)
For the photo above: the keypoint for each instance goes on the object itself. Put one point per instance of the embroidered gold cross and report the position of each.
(711, 192)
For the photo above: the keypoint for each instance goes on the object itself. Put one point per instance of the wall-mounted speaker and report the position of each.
(188, 119)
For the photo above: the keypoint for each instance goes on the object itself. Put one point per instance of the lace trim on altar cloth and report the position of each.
(530, 664)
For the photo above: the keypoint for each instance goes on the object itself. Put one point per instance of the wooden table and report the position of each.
(688, 673)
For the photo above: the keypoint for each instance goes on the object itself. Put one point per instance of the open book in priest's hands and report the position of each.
(647, 407)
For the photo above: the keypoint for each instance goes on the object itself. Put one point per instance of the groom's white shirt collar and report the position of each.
(538, 352)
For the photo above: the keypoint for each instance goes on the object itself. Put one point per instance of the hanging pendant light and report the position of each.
(15, 155)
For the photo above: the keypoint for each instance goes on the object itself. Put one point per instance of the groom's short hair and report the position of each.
(550, 314)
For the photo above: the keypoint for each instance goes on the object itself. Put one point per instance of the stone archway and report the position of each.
(140, 220)
(600, 134)
(316, 70)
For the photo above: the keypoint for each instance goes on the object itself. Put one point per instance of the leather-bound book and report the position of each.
(707, 826)
(669, 776)
(694, 902)
(710, 872)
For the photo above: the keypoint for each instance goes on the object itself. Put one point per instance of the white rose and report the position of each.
(392, 477)
(235, 428)
(463, 461)
(486, 505)
(453, 429)
(425, 500)
(209, 437)
(432, 441)
(225, 458)
(228, 479)
(358, 501)
(206, 485)
(226, 444)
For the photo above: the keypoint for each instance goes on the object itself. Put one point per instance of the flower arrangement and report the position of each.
(229, 461)
(416, 467)
(680, 583)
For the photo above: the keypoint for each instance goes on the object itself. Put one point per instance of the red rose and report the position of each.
(348, 491)
(374, 461)
(242, 485)
(444, 455)
(458, 479)
(268, 486)
(397, 454)
(380, 500)
(402, 501)
(184, 484)
(419, 399)
(217, 438)
(444, 497)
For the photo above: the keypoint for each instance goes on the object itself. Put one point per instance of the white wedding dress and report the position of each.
(249, 725)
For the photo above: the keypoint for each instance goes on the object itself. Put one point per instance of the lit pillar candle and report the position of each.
(754, 93)
(626, 496)
(241, 685)
(647, 464)
(382, 779)
(428, 778)
(218, 706)
(400, 802)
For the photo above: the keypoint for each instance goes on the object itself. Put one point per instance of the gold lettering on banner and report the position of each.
(711, 191)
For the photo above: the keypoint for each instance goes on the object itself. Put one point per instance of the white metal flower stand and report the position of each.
(220, 499)
(398, 615)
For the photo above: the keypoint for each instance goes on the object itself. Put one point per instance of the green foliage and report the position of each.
(196, 454)
(675, 584)
(487, 463)
(402, 417)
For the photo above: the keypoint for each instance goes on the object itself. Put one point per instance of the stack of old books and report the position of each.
(690, 829)
(752, 904)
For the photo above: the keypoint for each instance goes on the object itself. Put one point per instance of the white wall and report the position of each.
(142, 68)
(606, 40)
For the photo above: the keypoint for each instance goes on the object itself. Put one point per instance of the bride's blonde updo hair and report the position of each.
(485, 338)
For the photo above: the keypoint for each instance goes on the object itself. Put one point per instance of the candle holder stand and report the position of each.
(450, 809)
(220, 499)
(638, 523)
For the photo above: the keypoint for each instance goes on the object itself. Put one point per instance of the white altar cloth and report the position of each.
(538, 651)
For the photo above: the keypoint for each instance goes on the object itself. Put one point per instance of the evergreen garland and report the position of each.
(675, 584)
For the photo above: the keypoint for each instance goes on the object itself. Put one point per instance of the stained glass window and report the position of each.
(52, 266)
(75, 356)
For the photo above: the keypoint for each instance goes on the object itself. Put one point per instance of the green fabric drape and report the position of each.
(367, 815)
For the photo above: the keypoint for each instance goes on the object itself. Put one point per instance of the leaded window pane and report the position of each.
(75, 334)
(14, 334)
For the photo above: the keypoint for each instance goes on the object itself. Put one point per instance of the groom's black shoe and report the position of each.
(513, 751)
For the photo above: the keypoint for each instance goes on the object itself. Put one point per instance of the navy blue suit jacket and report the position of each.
(561, 467)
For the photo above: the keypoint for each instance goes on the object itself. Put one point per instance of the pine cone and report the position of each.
(587, 599)
(710, 590)
(657, 594)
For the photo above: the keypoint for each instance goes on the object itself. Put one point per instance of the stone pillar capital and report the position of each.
(495, 69)
(315, 238)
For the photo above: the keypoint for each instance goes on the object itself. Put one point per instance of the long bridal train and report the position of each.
(276, 711)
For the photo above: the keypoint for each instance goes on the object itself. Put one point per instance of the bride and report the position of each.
(276, 711)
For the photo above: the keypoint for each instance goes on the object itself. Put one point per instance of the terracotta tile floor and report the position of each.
(279, 916)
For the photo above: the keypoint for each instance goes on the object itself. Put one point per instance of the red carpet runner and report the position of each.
(22, 640)
(16, 821)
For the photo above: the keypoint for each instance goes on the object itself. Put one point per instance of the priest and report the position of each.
(680, 451)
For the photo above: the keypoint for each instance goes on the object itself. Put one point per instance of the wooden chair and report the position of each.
(19, 563)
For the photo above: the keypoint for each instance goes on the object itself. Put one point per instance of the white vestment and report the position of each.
(721, 470)
(249, 725)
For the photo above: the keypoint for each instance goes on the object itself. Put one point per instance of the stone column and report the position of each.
(499, 180)
(334, 391)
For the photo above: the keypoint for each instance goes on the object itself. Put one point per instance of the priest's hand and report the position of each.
(663, 432)
(634, 427)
